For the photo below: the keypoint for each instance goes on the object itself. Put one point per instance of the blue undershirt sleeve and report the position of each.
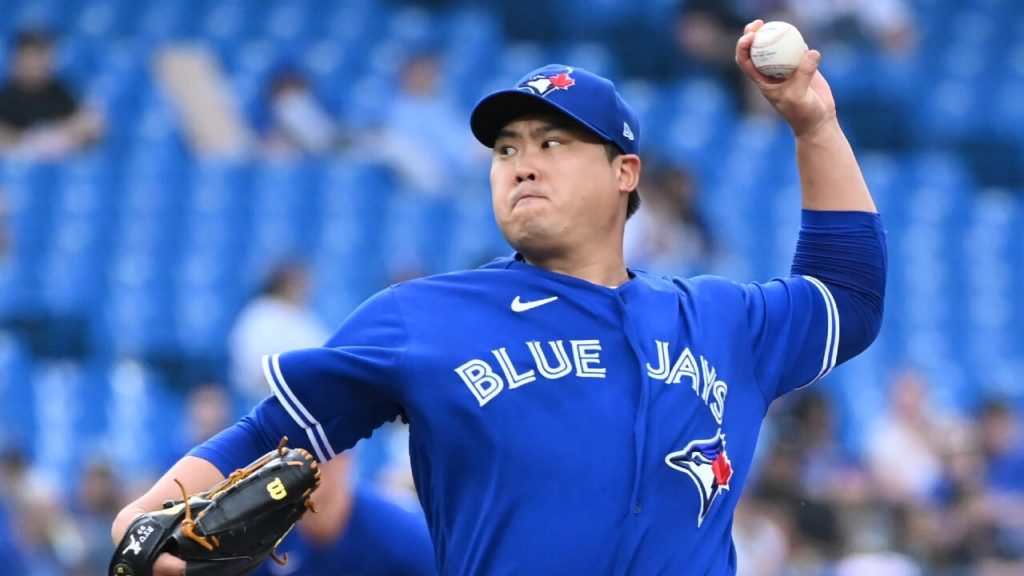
(236, 446)
(846, 251)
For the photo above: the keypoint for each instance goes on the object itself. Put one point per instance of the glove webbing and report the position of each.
(188, 523)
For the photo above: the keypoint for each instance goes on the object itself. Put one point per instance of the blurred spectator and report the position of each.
(356, 532)
(705, 35)
(954, 530)
(828, 472)
(1003, 457)
(669, 235)
(973, 524)
(424, 140)
(13, 473)
(1001, 446)
(208, 410)
(39, 117)
(299, 124)
(98, 500)
(418, 139)
(762, 537)
(887, 25)
(902, 450)
(814, 529)
(48, 539)
(10, 550)
(5, 234)
(52, 541)
(277, 320)
(878, 564)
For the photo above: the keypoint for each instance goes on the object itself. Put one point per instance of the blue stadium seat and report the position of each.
(334, 293)
(17, 424)
(140, 304)
(473, 29)
(226, 21)
(885, 177)
(100, 18)
(58, 413)
(949, 111)
(414, 29)
(515, 60)
(1006, 115)
(289, 21)
(330, 67)
(475, 238)
(419, 232)
(591, 56)
(355, 201)
(162, 21)
(44, 14)
(30, 188)
(356, 23)
(203, 319)
(138, 395)
(69, 280)
(366, 108)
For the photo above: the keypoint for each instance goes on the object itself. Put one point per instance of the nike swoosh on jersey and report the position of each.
(520, 306)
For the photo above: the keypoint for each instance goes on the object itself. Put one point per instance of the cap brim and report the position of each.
(495, 112)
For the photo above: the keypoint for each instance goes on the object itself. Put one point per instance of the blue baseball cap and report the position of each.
(583, 96)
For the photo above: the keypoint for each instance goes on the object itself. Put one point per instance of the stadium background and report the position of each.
(126, 264)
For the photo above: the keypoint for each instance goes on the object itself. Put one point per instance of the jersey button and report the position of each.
(636, 508)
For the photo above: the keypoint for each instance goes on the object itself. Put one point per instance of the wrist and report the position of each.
(124, 519)
(825, 130)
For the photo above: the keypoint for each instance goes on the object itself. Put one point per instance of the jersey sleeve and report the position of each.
(829, 310)
(795, 330)
(324, 399)
(344, 390)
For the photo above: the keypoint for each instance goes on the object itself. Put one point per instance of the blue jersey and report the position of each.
(379, 539)
(561, 427)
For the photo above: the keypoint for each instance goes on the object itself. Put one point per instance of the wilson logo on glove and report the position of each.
(276, 489)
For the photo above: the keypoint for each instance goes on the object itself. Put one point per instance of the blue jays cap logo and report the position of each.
(544, 84)
(707, 464)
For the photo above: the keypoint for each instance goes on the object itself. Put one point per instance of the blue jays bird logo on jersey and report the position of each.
(707, 464)
(544, 84)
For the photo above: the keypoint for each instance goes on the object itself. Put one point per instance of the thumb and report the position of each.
(805, 71)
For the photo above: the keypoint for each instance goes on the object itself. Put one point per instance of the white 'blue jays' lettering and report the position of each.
(486, 383)
(713, 391)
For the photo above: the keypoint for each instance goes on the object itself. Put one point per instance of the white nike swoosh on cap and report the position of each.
(520, 306)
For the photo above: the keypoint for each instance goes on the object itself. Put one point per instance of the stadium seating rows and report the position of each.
(143, 252)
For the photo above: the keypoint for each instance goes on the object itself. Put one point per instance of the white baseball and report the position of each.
(777, 49)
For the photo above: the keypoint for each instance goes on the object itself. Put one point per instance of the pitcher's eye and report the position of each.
(505, 150)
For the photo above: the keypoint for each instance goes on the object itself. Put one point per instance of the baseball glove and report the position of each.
(229, 530)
